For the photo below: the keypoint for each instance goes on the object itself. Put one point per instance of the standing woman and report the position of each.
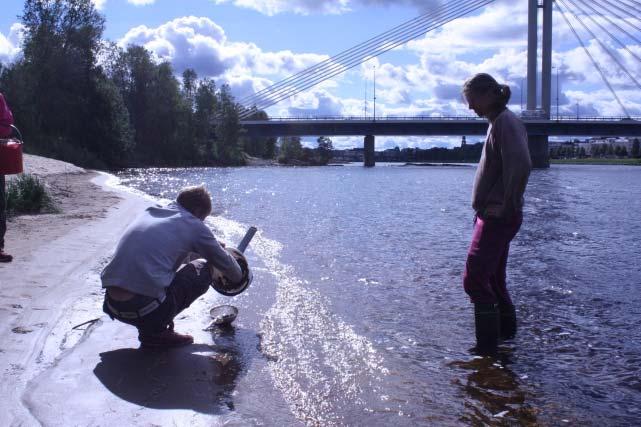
(6, 120)
(497, 199)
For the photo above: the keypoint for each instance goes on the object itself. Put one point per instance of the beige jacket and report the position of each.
(504, 168)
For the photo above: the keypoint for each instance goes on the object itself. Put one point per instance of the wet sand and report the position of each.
(53, 374)
(95, 374)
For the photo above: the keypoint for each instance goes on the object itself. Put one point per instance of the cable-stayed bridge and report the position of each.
(436, 126)
(616, 20)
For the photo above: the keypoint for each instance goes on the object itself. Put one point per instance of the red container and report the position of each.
(10, 157)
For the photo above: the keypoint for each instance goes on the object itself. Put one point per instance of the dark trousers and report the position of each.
(188, 285)
(485, 270)
(3, 211)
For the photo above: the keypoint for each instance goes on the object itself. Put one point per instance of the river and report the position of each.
(357, 314)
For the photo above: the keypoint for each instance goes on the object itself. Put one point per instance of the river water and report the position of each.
(357, 315)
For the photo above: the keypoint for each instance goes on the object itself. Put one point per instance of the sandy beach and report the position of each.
(94, 375)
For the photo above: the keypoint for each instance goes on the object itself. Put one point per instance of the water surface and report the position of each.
(357, 313)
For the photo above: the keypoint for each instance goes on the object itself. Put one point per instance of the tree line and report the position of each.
(81, 99)
(570, 151)
(465, 153)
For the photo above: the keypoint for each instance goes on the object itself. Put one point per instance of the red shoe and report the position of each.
(165, 339)
(5, 257)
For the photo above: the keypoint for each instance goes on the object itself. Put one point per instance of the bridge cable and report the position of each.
(603, 46)
(623, 45)
(596, 65)
(634, 2)
(611, 21)
(333, 60)
(625, 12)
(349, 54)
(307, 79)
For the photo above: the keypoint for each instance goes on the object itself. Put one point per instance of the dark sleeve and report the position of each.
(6, 118)
(208, 247)
(516, 163)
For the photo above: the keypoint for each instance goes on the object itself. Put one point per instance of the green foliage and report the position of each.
(84, 100)
(636, 150)
(324, 149)
(228, 130)
(204, 116)
(28, 194)
(61, 99)
(291, 150)
(259, 146)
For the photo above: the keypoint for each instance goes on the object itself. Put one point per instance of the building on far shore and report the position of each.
(597, 146)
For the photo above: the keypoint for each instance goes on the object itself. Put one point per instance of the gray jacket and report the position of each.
(153, 246)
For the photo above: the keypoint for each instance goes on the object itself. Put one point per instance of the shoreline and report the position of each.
(597, 162)
(58, 372)
(53, 282)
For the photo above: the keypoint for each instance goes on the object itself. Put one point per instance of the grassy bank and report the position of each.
(590, 161)
(28, 194)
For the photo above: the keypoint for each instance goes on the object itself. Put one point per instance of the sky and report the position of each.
(251, 44)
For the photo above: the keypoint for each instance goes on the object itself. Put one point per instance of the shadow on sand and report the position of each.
(199, 377)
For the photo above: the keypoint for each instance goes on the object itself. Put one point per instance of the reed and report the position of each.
(28, 194)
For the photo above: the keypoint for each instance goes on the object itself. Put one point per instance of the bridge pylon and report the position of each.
(539, 151)
(368, 152)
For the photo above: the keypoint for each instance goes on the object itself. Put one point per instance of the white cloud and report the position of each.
(201, 44)
(140, 2)
(99, 4)
(301, 7)
(11, 45)
(307, 7)
(427, 83)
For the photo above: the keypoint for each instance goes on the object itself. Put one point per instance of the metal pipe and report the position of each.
(246, 239)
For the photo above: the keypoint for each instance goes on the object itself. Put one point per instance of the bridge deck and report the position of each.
(436, 127)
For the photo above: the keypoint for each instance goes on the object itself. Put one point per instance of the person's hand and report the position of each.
(493, 211)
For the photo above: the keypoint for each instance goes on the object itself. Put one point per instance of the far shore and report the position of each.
(591, 161)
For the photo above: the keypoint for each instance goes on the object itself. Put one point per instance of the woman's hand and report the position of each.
(493, 211)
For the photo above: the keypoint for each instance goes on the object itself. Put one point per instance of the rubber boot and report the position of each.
(486, 321)
(508, 321)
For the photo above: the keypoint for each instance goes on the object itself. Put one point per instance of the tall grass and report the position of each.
(27, 194)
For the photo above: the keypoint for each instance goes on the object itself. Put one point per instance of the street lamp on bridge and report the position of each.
(374, 93)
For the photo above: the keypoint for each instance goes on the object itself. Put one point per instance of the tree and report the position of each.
(324, 149)
(189, 86)
(58, 88)
(636, 149)
(228, 129)
(93, 103)
(257, 145)
(204, 128)
(290, 149)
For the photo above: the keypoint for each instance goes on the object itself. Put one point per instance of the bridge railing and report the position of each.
(596, 118)
(370, 118)
(439, 118)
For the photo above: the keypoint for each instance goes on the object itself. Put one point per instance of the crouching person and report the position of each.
(144, 287)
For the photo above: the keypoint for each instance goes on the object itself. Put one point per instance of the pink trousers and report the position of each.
(485, 277)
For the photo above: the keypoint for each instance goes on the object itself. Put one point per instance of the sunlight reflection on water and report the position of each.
(368, 323)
